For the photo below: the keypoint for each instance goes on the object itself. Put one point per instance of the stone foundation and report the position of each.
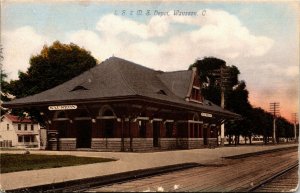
(212, 142)
(195, 143)
(190, 143)
(115, 144)
(168, 143)
(66, 144)
(182, 143)
(138, 144)
(106, 144)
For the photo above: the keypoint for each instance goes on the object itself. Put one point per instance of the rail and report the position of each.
(271, 178)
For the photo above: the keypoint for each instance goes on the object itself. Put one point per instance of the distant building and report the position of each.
(122, 106)
(16, 132)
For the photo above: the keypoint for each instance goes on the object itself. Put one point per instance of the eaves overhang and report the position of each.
(134, 98)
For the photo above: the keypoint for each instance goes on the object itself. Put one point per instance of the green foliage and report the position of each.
(234, 72)
(237, 100)
(53, 66)
(4, 90)
(262, 122)
(284, 129)
(4, 86)
(212, 93)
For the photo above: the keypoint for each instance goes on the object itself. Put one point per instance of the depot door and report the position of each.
(84, 130)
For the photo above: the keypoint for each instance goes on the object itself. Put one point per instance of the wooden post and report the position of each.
(274, 109)
(189, 132)
(122, 133)
(130, 135)
(222, 126)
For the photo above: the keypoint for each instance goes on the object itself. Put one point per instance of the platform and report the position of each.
(125, 162)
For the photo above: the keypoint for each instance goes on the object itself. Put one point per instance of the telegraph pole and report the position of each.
(223, 125)
(222, 76)
(274, 109)
(224, 82)
(294, 118)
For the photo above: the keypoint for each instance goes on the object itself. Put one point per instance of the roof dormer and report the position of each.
(194, 92)
(78, 88)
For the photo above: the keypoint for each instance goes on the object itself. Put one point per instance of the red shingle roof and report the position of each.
(17, 119)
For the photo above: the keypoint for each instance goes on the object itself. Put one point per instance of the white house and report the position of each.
(16, 132)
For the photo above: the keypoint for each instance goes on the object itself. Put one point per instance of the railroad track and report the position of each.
(245, 155)
(234, 175)
(238, 175)
(285, 181)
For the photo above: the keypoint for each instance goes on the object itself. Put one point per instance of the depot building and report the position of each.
(122, 106)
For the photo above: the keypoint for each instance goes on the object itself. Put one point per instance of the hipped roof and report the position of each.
(119, 78)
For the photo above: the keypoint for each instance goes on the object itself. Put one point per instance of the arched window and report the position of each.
(107, 111)
(194, 127)
(107, 122)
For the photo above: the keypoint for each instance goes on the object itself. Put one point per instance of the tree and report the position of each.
(284, 129)
(210, 88)
(53, 66)
(238, 102)
(262, 123)
(236, 95)
(5, 95)
(4, 86)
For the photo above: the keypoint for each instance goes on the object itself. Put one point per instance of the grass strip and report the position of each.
(22, 162)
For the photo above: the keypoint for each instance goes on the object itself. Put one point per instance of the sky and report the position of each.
(260, 38)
